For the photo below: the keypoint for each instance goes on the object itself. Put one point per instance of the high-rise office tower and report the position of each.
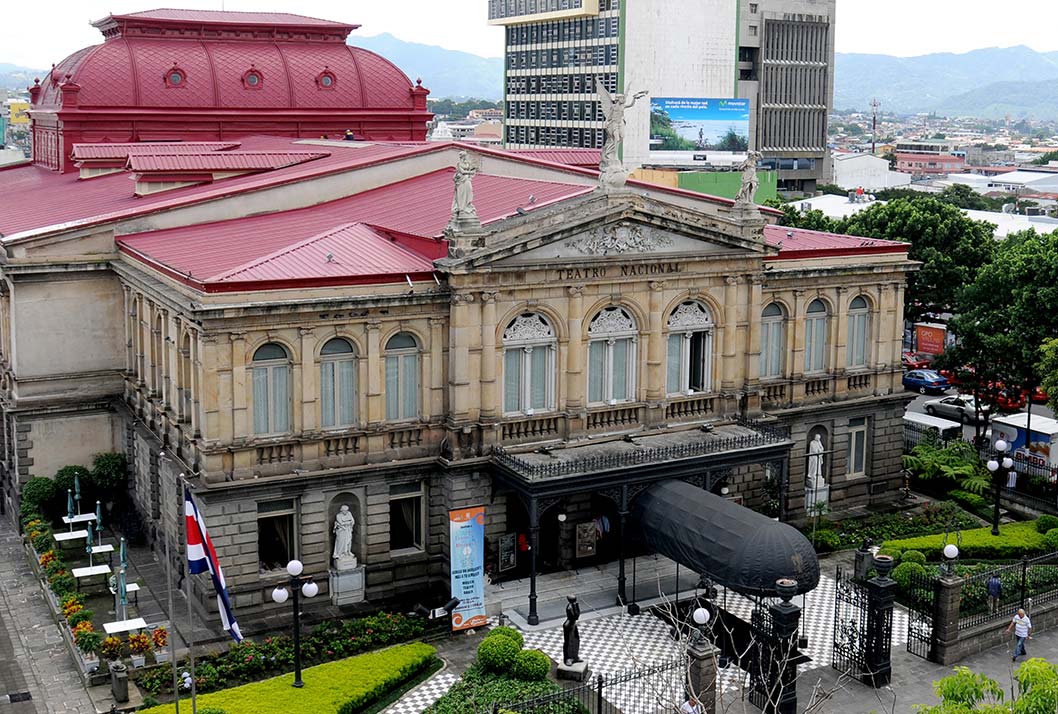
(778, 54)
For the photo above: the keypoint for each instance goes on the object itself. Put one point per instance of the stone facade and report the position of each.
(172, 379)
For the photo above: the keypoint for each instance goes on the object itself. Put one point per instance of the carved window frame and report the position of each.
(773, 341)
(858, 347)
(526, 337)
(690, 328)
(612, 330)
(344, 380)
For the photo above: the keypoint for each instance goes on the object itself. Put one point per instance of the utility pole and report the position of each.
(874, 124)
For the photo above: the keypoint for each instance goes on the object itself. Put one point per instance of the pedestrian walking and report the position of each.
(1022, 626)
(995, 592)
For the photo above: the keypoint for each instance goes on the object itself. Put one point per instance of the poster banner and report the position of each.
(930, 338)
(467, 562)
(698, 126)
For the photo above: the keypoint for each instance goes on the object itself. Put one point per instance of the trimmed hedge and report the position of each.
(1014, 541)
(478, 689)
(497, 654)
(913, 556)
(1046, 522)
(341, 687)
(1051, 538)
(504, 631)
(531, 665)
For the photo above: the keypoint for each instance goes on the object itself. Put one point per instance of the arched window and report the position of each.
(816, 336)
(337, 384)
(690, 358)
(271, 389)
(859, 328)
(611, 357)
(402, 377)
(772, 341)
(528, 365)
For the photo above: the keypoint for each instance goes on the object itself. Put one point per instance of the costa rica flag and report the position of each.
(201, 558)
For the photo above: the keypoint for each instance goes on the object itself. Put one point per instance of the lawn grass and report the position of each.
(360, 680)
(1014, 540)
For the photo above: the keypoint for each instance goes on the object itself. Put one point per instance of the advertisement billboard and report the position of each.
(467, 563)
(696, 127)
(930, 338)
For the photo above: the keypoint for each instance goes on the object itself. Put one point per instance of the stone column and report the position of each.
(376, 408)
(881, 596)
(171, 346)
(459, 339)
(575, 362)
(488, 355)
(437, 368)
(149, 358)
(797, 336)
(756, 297)
(840, 351)
(130, 356)
(701, 674)
(783, 678)
(730, 331)
(241, 427)
(656, 372)
(878, 323)
(309, 386)
(210, 403)
(946, 621)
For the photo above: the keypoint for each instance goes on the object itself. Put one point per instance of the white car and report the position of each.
(958, 408)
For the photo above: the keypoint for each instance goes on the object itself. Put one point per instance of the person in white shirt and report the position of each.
(1022, 626)
(691, 706)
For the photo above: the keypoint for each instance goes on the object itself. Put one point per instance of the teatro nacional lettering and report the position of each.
(624, 271)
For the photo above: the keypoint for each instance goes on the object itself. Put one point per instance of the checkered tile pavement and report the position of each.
(424, 695)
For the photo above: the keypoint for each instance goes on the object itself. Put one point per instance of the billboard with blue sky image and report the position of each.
(692, 124)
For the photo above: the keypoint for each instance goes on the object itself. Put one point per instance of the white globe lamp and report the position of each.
(310, 589)
(280, 595)
(295, 568)
(951, 551)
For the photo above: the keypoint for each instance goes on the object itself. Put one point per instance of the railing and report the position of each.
(546, 427)
(914, 434)
(616, 419)
(774, 394)
(275, 454)
(816, 387)
(1028, 581)
(403, 438)
(694, 408)
(341, 446)
(764, 435)
(858, 382)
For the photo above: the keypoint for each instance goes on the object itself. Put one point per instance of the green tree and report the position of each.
(968, 692)
(1044, 159)
(951, 246)
(831, 189)
(957, 462)
(1049, 372)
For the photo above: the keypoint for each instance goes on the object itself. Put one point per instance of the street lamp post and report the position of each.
(298, 586)
(1000, 469)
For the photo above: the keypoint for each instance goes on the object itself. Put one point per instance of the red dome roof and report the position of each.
(132, 72)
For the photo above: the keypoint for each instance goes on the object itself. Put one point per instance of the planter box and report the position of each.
(138, 660)
(89, 665)
(161, 656)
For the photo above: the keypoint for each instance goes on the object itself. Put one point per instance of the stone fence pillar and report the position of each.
(701, 674)
(946, 620)
(881, 596)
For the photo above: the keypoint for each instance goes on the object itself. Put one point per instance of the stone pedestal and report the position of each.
(347, 585)
(701, 673)
(577, 672)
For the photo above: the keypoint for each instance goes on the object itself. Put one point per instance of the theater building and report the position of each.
(294, 325)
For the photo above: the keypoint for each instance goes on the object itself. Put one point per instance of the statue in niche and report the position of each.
(343, 538)
(815, 480)
(571, 633)
(750, 182)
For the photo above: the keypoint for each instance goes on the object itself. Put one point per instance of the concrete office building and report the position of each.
(777, 53)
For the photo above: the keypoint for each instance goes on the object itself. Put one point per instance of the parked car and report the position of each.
(953, 375)
(1038, 396)
(1005, 398)
(925, 381)
(960, 407)
(912, 360)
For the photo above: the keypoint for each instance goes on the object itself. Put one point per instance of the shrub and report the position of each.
(497, 653)
(47, 557)
(73, 598)
(88, 642)
(504, 631)
(64, 478)
(112, 648)
(1016, 539)
(55, 566)
(827, 540)
(479, 687)
(85, 626)
(38, 491)
(913, 556)
(348, 685)
(42, 542)
(160, 637)
(903, 573)
(139, 643)
(62, 583)
(531, 665)
(1051, 538)
(80, 616)
(109, 472)
(1046, 523)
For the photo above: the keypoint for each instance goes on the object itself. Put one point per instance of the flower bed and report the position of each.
(341, 687)
(1014, 541)
(252, 661)
(851, 532)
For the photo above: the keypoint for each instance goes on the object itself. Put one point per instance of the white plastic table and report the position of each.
(79, 518)
(130, 589)
(61, 538)
(107, 549)
(136, 623)
(91, 572)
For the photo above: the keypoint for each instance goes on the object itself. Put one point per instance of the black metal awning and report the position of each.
(732, 545)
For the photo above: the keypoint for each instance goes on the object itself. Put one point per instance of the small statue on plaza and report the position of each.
(750, 182)
(571, 633)
(463, 211)
(815, 479)
(343, 537)
(611, 170)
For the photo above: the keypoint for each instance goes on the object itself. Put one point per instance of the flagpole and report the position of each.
(172, 622)
(190, 613)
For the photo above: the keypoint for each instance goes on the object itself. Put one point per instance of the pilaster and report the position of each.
(574, 373)
(437, 391)
(240, 425)
(488, 355)
(459, 339)
(655, 380)
(375, 403)
(730, 331)
(309, 380)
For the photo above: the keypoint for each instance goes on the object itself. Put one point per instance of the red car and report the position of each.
(1008, 400)
(915, 361)
(952, 375)
(1038, 396)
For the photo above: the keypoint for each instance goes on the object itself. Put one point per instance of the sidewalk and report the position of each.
(33, 658)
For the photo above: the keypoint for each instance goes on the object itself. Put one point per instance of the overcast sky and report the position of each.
(36, 34)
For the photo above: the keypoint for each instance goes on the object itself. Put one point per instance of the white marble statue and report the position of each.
(343, 538)
(815, 480)
(611, 170)
(749, 178)
(463, 201)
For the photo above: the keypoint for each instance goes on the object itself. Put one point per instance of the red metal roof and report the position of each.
(89, 152)
(221, 161)
(797, 243)
(418, 207)
(571, 157)
(230, 18)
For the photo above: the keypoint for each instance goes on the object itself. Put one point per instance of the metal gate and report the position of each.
(921, 601)
(762, 680)
(851, 601)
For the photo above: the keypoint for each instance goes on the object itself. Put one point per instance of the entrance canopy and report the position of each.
(732, 545)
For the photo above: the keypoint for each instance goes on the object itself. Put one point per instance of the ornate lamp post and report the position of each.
(951, 556)
(298, 586)
(1000, 472)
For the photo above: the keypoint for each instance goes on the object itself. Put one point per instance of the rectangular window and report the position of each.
(596, 371)
(857, 347)
(512, 380)
(276, 541)
(771, 349)
(857, 455)
(338, 393)
(815, 344)
(673, 380)
(406, 517)
(402, 387)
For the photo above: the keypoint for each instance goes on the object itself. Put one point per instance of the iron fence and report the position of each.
(849, 653)
(921, 604)
(645, 690)
(1035, 481)
(1030, 581)
(764, 435)
(914, 434)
